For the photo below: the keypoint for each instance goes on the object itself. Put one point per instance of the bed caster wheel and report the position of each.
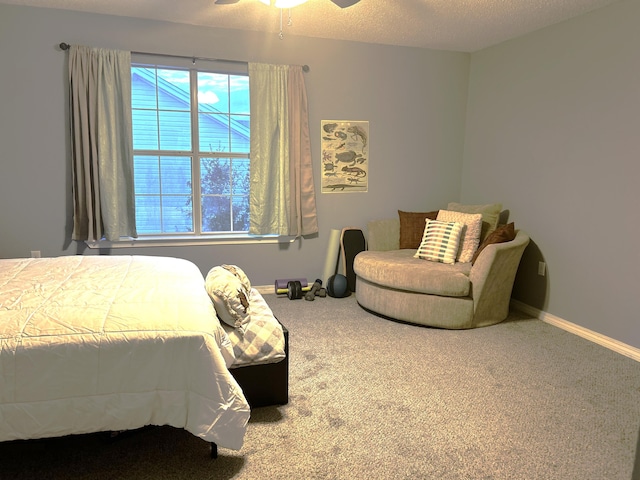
(214, 450)
(294, 290)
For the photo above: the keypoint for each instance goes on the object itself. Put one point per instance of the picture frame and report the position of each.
(345, 156)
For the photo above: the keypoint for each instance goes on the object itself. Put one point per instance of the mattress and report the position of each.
(105, 343)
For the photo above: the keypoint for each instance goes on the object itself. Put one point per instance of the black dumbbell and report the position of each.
(316, 287)
(294, 290)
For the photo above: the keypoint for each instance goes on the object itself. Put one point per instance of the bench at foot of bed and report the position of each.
(266, 384)
(214, 450)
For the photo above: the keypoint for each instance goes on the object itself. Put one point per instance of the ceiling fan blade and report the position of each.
(226, 2)
(345, 3)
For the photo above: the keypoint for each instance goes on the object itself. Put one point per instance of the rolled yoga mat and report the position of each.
(333, 255)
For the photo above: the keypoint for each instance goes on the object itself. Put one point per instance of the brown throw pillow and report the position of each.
(504, 233)
(412, 226)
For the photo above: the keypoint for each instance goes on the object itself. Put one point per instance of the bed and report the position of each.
(113, 343)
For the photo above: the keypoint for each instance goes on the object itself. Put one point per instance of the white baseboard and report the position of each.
(265, 289)
(603, 340)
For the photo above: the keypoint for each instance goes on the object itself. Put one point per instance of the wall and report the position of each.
(414, 99)
(553, 129)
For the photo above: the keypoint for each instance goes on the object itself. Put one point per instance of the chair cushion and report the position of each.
(398, 269)
(470, 237)
(504, 233)
(490, 215)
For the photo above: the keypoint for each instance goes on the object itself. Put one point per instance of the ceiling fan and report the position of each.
(290, 3)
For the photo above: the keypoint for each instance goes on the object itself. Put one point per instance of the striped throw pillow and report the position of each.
(440, 241)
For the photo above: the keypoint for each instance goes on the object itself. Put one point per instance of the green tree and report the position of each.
(225, 195)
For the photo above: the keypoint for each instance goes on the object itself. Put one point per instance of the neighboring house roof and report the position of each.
(147, 77)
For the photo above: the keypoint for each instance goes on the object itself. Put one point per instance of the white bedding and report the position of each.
(99, 343)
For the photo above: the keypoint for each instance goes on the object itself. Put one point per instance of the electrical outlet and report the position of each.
(542, 269)
(35, 254)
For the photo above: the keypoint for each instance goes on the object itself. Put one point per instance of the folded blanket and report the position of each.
(260, 339)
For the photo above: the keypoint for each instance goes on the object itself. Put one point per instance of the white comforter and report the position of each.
(99, 343)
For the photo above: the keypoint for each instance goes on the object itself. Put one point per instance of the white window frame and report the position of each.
(195, 238)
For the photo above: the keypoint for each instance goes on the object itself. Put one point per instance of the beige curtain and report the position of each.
(101, 144)
(282, 195)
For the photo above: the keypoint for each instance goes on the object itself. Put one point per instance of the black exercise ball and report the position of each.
(337, 286)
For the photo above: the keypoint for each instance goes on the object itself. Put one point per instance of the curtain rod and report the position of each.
(66, 46)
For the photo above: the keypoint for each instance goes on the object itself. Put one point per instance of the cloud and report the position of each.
(208, 97)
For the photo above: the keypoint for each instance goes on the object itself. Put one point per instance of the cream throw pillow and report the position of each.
(470, 237)
(490, 215)
(440, 241)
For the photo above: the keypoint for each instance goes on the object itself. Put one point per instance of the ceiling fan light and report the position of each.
(345, 3)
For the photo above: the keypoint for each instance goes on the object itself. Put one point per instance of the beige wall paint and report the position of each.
(553, 131)
(414, 99)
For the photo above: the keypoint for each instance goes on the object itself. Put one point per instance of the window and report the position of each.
(191, 131)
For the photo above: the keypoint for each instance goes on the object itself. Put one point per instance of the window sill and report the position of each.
(186, 241)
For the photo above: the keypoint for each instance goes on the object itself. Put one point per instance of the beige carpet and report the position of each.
(376, 399)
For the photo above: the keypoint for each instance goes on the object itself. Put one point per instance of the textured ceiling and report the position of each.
(460, 25)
